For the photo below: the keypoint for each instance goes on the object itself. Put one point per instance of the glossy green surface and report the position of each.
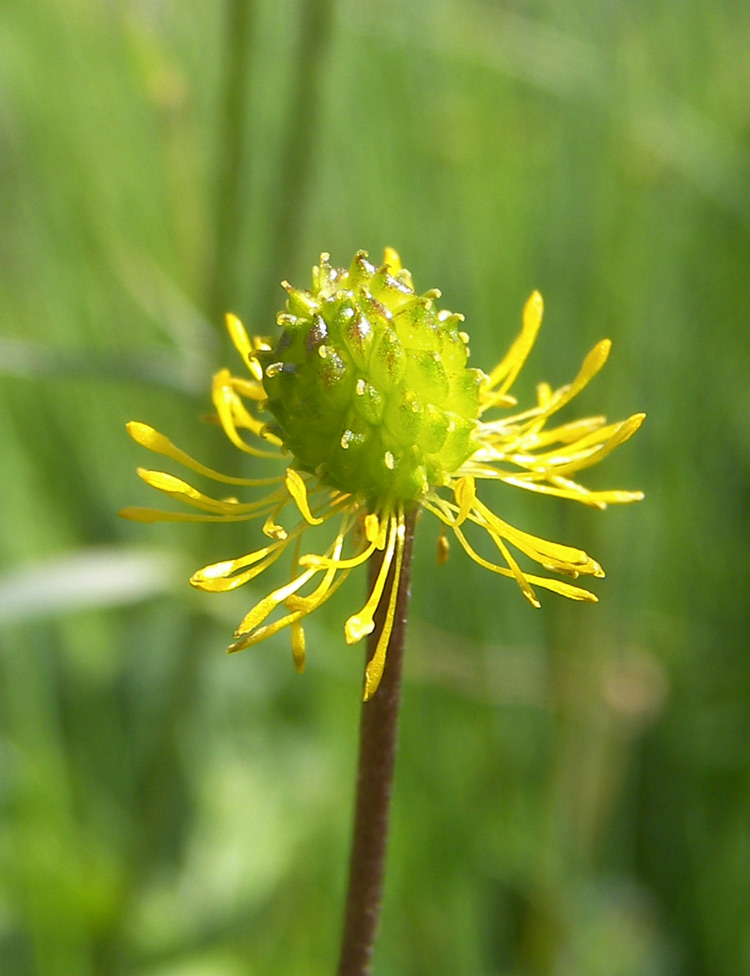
(369, 384)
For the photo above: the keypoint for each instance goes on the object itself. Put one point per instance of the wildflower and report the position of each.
(370, 409)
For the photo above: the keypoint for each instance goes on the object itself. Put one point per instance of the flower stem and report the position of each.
(377, 753)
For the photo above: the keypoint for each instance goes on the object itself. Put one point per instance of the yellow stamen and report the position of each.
(543, 394)
(243, 345)
(507, 371)
(217, 577)
(298, 646)
(251, 391)
(443, 547)
(591, 366)
(392, 259)
(223, 576)
(374, 669)
(298, 490)
(556, 586)
(561, 488)
(321, 562)
(552, 555)
(146, 436)
(361, 624)
(372, 528)
(373, 534)
(624, 432)
(309, 603)
(262, 633)
(491, 400)
(265, 606)
(465, 493)
(232, 413)
(270, 526)
(248, 640)
(137, 513)
(520, 577)
(182, 491)
(587, 450)
(568, 433)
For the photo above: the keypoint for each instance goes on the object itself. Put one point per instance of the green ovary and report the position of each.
(369, 384)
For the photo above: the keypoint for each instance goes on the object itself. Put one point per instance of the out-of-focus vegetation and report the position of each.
(573, 786)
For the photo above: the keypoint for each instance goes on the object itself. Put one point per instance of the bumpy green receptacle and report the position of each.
(369, 384)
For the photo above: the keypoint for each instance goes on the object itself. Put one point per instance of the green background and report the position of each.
(573, 785)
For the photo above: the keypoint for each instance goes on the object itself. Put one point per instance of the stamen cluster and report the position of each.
(373, 410)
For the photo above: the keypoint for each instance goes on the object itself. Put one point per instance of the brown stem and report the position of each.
(377, 753)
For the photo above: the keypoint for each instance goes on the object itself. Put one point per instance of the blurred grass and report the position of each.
(573, 789)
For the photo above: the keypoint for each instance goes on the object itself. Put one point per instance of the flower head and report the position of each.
(367, 406)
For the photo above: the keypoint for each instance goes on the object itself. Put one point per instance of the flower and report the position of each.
(371, 410)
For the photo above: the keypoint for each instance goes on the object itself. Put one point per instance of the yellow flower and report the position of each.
(371, 410)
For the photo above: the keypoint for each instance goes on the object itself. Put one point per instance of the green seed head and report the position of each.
(369, 384)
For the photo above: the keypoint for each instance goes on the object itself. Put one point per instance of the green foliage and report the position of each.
(573, 788)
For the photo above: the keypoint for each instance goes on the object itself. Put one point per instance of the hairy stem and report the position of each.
(377, 754)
